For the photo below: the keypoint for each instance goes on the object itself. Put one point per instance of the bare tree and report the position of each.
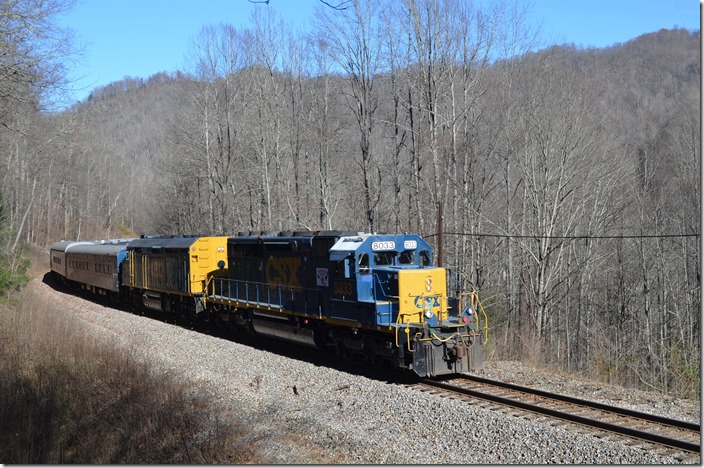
(325, 133)
(514, 41)
(269, 38)
(354, 41)
(219, 55)
(556, 165)
(33, 52)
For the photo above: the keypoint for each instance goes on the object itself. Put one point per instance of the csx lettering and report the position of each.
(283, 271)
(427, 301)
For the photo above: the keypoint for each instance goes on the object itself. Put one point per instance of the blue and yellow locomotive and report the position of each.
(373, 297)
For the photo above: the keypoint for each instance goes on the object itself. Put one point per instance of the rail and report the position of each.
(651, 428)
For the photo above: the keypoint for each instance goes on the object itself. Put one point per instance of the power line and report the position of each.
(530, 236)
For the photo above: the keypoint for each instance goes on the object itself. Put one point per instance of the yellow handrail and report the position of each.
(131, 273)
(474, 301)
(145, 274)
(408, 340)
(486, 319)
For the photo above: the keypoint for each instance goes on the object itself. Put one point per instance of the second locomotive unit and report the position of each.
(368, 297)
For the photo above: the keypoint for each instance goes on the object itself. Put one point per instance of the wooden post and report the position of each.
(440, 238)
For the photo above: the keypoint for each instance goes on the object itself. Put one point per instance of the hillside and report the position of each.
(569, 178)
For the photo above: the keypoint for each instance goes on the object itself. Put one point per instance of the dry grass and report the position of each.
(67, 398)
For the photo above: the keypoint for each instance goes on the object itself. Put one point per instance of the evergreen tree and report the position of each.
(13, 265)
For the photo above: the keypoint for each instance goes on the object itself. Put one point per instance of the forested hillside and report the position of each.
(569, 178)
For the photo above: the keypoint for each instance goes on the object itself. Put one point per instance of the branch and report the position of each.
(339, 7)
(343, 5)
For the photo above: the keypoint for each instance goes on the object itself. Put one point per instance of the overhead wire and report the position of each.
(533, 236)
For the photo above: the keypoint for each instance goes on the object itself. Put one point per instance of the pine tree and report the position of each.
(13, 265)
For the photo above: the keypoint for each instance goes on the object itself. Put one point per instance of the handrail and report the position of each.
(145, 276)
(381, 287)
(486, 318)
(408, 340)
(265, 293)
(390, 310)
(132, 267)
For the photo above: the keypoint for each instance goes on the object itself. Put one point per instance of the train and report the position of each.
(375, 299)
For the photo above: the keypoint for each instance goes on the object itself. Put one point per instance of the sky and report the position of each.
(139, 38)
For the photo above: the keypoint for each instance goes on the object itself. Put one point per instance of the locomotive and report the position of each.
(373, 298)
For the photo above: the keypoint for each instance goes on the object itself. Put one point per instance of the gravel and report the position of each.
(301, 413)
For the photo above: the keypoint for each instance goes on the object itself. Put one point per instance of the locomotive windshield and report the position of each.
(384, 258)
(407, 257)
(369, 252)
(424, 258)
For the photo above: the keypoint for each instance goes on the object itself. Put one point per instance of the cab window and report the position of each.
(343, 268)
(424, 258)
(363, 262)
(406, 258)
(383, 258)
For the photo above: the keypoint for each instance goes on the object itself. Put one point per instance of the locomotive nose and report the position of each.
(422, 295)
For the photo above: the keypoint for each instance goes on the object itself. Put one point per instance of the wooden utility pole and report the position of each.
(440, 238)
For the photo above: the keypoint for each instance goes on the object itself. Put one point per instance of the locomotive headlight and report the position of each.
(431, 319)
(429, 285)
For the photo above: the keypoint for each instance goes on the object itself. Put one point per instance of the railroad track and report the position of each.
(669, 436)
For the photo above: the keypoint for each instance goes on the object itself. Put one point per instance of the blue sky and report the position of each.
(139, 38)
